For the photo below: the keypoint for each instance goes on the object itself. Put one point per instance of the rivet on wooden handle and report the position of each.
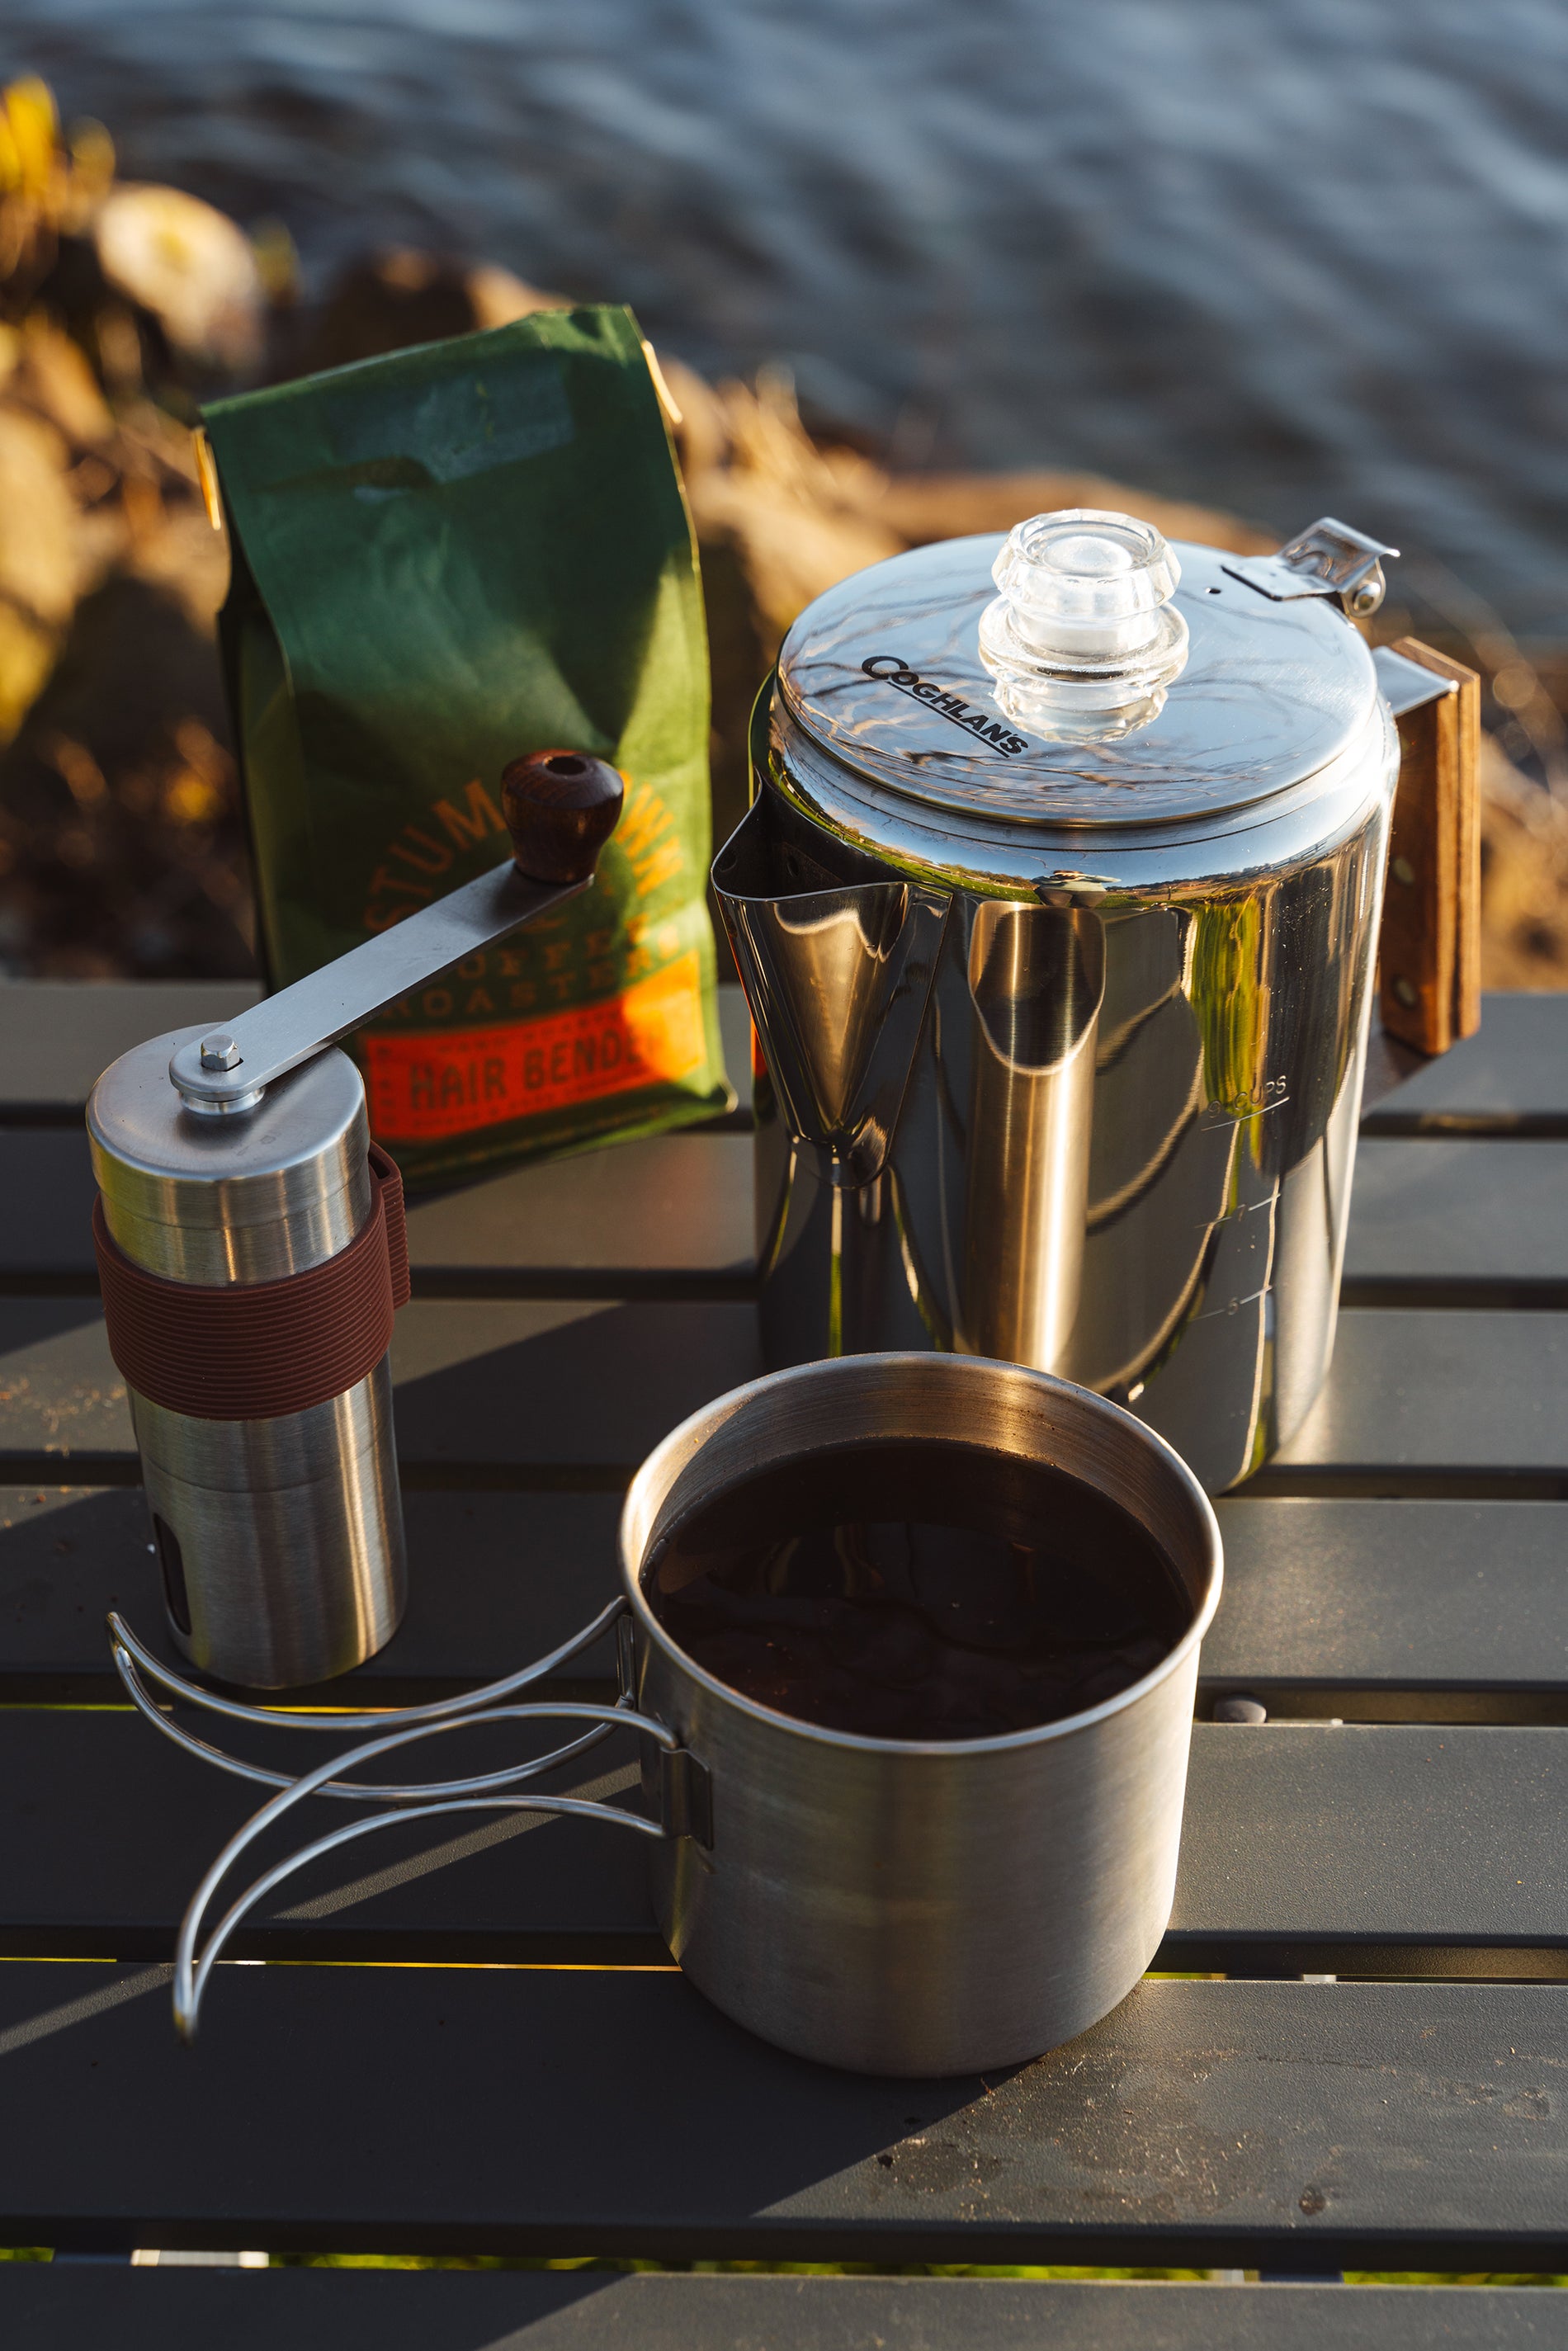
(561, 807)
(1430, 951)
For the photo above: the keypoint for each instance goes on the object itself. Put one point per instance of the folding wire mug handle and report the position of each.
(685, 1804)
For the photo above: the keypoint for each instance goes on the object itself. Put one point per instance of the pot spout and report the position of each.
(837, 980)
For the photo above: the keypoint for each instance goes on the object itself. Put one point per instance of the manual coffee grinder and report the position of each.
(251, 1253)
(1057, 908)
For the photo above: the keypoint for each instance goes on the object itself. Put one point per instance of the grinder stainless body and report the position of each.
(280, 1540)
(250, 1249)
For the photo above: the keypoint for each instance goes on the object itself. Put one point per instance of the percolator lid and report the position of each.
(1116, 679)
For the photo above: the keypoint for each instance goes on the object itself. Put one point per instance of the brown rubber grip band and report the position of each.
(252, 1351)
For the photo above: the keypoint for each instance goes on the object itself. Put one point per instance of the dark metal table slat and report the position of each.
(1436, 1611)
(48, 2308)
(1364, 1849)
(1379, 2127)
(496, 1391)
(1466, 1401)
(1432, 1222)
(1468, 1222)
(57, 1034)
(496, 1579)
(487, 1390)
(1426, 1611)
(1511, 1077)
(105, 1828)
(669, 1215)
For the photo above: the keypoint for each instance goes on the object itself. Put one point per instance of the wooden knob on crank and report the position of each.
(561, 807)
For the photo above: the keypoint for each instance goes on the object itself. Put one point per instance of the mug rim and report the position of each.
(686, 1439)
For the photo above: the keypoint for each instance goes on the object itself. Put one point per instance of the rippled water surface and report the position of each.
(1306, 255)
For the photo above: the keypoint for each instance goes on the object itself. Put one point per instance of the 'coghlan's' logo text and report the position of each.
(894, 670)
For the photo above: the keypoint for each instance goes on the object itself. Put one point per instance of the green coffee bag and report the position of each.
(442, 560)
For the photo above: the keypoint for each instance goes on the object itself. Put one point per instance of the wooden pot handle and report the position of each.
(1429, 957)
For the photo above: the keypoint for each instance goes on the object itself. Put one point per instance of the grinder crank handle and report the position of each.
(560, 809)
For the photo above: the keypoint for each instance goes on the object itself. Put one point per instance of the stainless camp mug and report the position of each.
(894, 1907)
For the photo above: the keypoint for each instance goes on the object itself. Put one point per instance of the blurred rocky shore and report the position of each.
(122, 307)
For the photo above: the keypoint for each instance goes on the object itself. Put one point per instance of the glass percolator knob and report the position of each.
(1084, 633)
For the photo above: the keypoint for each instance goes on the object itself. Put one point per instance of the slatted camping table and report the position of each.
(1362, 2062)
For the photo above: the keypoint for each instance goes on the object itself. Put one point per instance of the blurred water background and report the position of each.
(1306, 257)
(1230, 265)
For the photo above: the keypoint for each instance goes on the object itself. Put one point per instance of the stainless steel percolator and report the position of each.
(893, 1906)
(1056, 909)
(250, 1250)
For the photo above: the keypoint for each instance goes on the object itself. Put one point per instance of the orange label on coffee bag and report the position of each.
(442, 1082)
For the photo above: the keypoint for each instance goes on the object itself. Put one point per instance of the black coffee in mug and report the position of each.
(918, 1590)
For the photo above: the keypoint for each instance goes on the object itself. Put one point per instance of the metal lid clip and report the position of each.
(1327, 559)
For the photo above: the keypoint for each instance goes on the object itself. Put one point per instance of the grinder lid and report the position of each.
(1116, 680)
(251, 1198)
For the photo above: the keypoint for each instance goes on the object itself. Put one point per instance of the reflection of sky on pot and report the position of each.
(1305, 255)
